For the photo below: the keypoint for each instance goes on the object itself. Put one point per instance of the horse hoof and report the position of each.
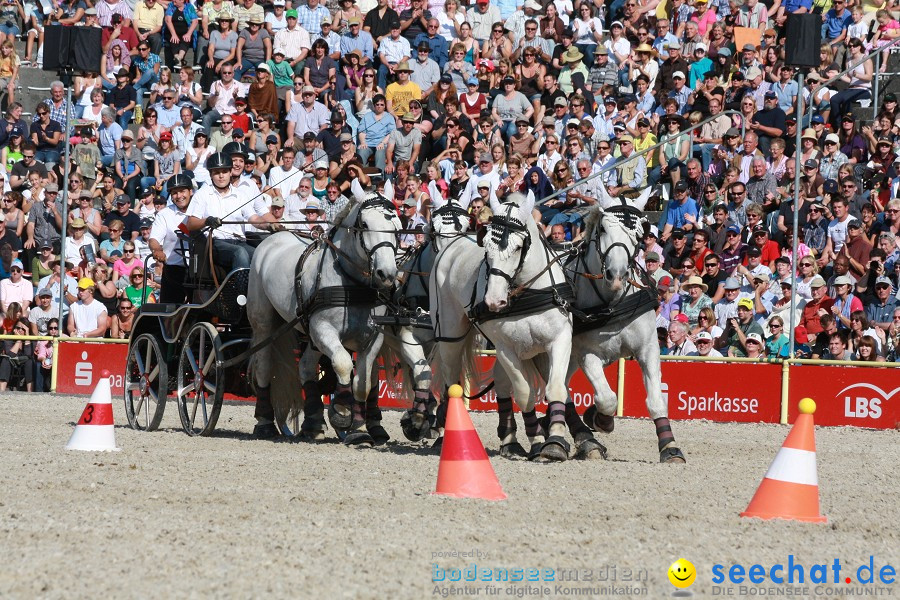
(438, 444)
(590, 449)
(534, 453)
(415, 426)
(513, 450)
(672, 455)
(340, 421)
(379, 434)
(265, 431)
(598, 422)
(434, 433)
(359, 438)
(555, 449)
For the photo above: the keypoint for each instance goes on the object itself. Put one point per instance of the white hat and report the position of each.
(833, 137)
(533, 5)
(678, 74)
(700, 46)
(263, 67)
(321, 164)
(703, 335)
(278, 3)
(755, 337)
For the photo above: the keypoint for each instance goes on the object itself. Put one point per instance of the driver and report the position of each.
(166, 237)
(220, 201)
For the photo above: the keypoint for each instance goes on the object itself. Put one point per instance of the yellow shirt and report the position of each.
(146, 17)
(640, 145)
(399, 96)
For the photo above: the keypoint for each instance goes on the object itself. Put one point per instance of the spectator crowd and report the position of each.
(559, 98)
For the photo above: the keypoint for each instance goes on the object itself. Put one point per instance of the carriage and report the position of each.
(197, 351)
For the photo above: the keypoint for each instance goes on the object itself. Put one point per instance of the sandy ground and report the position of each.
(174, 516)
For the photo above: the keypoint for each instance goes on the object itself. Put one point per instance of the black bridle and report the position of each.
(359, 228)
(500, 227)
(449, 214)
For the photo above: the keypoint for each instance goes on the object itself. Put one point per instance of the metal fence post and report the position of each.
(620, 388)
(785, 389)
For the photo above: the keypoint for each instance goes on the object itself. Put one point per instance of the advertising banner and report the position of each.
(725, 392)
(856, 396)
(79, 365)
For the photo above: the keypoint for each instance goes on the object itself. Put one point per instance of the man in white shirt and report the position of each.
(169, 243)
(293, 41)
(484, 172)
(704, 343)
(219, 202)
(16, 288)
(87, 318)
(41, 314)
(283, 177)
(222, 94)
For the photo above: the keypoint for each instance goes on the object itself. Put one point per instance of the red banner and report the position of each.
(78, 366)
(857, 396)
(725, 392)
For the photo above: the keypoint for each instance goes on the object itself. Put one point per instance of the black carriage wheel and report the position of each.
(146, 383)
(201, 380)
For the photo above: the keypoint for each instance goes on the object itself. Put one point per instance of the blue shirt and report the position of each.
(507, 7)
(792, 5)
(362, 42)
(439, 48)
(835, 24)
(699, 68)
(675, 214)
(786, 94)
(376, 131)
(108, 138)
(660, 43)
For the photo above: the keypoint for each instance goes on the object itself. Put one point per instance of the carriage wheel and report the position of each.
(201, 380)
(146, 383)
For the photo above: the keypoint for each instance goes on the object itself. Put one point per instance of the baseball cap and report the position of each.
(664, 282)
(237, 132)
(854, 223)
(45, 292)
(752, 73)
(145, 191)
(703, 336)
(833, 137)
(654, 231)
(485, 157)
(811, 164)
(651, 256)
(882, 280)
(321, 164)
(681, 186)
(346, 137)
(732, 284)
(128, 134)
(263, 67)
(842, 280)
(753, 251)
(609, 100)
(474, 81)
(17, 263)
(123, 199)
(678, 75)
(801, 335)
(818, 119)
(309, 135)
(278, 201)
(165, 135)
(410, 202)
(755, 337)
(291, 13)
(770, 94)
(146, 223)
(678, 232)
(484, 184)
(817, 282)
(745, 303)
(85, 283)
(733, 229)
(760, 228)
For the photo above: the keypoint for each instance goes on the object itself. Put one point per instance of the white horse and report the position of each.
(336, 295)
(413, 343)
(610, 286)
(509, 290)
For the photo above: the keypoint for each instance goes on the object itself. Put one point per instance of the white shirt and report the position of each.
(233, 205)
(837, 231)
(284, 181)
(86, 316)
(73, 248)
(471, 191)
(227, 94)
(165, 231)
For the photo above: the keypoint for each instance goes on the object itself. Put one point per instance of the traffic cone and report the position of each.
(95, 431)
(465, 471)
(790, 489)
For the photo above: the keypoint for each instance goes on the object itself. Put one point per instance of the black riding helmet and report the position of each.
(219, 160)
(232, 148)
(179, 181)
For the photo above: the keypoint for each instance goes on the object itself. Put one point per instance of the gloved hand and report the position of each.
(213, 222)
(275, 227)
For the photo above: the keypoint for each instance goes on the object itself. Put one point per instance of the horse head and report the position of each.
(612, 244)
(448, 219)
(375, 226)
(506, 246)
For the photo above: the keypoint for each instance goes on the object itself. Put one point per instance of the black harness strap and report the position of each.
(527, 302)
(627, 309)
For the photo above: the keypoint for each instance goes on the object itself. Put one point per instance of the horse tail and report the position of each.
(397, 374)
(287, 401)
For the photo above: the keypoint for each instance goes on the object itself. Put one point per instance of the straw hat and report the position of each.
(573, 54)
(809, 134)
(695, 280)
(645, 47)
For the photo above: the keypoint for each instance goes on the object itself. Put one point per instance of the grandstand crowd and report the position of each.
(295, 100)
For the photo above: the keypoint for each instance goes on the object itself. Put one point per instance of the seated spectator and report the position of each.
(16, 288)
(734, 335)
(837, 348)
(17, 360)
(696, 299)
(87, 318)
(679, 343)
(753, 346)
(704, 343)
(122, 321)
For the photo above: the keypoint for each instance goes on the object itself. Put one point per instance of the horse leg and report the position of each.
(556, 447)
(450, 355)
(587, 447)
(525, 397)
(416, 422)
(358, 433)
(659, 411)
(600, 416)
(263, 315)
(313, 426)
(506, 428)
(329, 342)
(373, 413)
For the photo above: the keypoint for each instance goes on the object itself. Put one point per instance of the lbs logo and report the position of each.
(864, 400)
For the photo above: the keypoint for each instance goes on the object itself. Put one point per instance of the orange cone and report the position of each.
(790, 489)
(465, 471)
(95, 431)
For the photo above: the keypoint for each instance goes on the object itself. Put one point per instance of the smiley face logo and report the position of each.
(682, 573)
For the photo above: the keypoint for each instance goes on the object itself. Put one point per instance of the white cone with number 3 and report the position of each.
(95, 431)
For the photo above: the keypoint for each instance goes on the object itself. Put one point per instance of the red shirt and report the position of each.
(810, 318)
(769, 252)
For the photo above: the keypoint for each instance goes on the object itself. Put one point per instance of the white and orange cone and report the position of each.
(95, 431)
(790, 489)
(465, 470)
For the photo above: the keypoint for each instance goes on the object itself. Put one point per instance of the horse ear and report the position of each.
(389, 190)
(604, 199)
(495, 204)
(645, 224)
(437, 200)
(359, 194)
(526, 206)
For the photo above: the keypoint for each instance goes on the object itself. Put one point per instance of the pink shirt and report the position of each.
(22, 292)
(125, 270)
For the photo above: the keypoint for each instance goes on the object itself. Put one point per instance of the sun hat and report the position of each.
(695, 280)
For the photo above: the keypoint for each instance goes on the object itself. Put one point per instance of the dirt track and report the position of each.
(173, 516)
